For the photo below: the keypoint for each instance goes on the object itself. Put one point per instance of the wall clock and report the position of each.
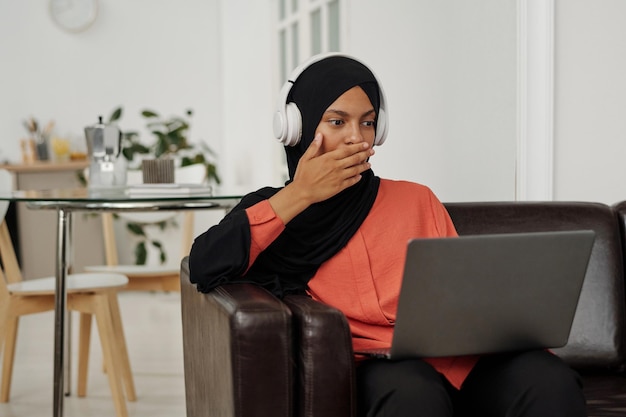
(73, 15)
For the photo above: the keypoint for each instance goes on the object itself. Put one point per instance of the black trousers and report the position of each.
(528, 384)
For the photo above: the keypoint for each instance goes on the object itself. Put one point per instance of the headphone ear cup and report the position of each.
(381, 127)
(293, 121)
(279, 126)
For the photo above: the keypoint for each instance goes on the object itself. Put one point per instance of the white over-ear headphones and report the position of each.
(288, 120)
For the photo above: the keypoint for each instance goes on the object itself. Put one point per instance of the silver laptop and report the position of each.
(489, 293)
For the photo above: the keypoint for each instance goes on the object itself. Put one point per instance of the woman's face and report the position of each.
(349, 119)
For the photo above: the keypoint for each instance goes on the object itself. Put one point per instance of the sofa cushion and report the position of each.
(325, 361)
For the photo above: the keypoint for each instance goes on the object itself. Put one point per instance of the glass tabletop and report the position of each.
(65, 201)
(116, 198)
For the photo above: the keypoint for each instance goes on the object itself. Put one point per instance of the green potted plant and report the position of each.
(170, 141)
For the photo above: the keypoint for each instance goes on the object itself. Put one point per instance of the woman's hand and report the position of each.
(320, 176)
(323, 175)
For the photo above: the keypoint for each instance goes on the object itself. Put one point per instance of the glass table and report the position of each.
(67, 201)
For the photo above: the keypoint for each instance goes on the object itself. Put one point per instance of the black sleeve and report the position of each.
(221, 254)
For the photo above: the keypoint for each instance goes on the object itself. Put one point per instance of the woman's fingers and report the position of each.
(325, 174)
(314, 148)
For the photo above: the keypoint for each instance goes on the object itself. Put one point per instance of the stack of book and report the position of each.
(168, 189)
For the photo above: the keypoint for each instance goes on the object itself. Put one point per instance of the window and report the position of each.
(305, 28)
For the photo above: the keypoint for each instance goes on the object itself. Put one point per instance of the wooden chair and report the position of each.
(150, 277)
(91, 294)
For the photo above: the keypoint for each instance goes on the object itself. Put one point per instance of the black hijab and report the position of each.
(323, 229)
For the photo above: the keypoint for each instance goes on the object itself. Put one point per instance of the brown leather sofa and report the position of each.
(248, 354)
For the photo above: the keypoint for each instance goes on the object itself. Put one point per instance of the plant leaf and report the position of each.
(162, 254)
(116, 115)
(135, 228)
(128, 154)
(80, 175)
(212, 173)
(141, 254)
(149, 113)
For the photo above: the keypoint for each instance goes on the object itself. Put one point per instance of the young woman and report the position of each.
(339, 233)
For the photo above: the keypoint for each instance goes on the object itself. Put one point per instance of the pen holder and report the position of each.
(157, 171)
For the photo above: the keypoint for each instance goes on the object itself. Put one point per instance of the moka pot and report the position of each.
(107, 167)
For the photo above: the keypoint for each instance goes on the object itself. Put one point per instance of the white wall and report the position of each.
(449, 72)
(448, 67)
(247, 86)
(157, 54)
(590, 100)
(451, 91)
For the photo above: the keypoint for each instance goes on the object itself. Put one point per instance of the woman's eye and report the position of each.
(335, 122)
(369, 123)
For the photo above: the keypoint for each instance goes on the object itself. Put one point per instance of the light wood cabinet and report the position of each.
(37, 229)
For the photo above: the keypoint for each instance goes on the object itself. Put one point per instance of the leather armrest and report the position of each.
(325, 361)
(237, 348)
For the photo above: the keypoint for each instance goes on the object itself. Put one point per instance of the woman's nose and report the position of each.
(355, 135)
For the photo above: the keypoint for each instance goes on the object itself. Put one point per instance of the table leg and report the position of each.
(63, 219)
(67, 355)
(67, 350)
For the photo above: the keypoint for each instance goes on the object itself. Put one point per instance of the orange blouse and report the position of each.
(363, 279)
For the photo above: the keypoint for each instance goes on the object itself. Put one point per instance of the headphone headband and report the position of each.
(288, 119)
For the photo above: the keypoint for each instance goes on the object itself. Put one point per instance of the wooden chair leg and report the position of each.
(118, 332)
(110, 352)
(10, 334)
(4, 318)
(84, 341)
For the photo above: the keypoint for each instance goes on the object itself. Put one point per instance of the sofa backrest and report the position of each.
(597, 335)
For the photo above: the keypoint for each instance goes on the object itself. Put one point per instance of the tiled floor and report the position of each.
(154, 336)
